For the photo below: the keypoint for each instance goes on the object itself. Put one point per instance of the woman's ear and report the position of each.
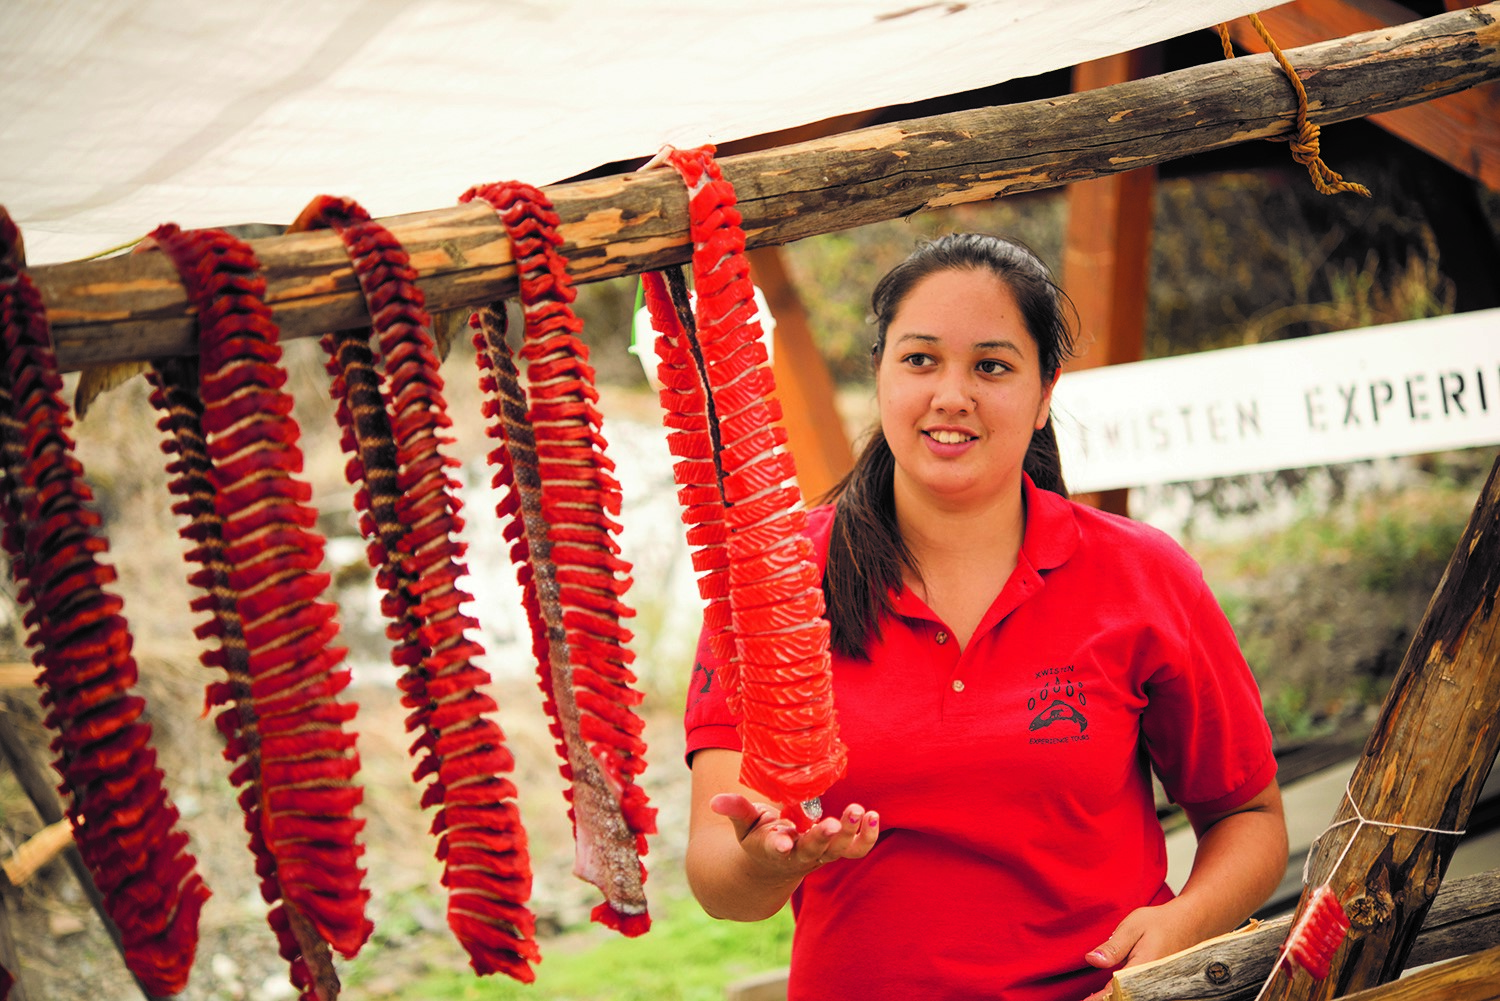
(1044, 407)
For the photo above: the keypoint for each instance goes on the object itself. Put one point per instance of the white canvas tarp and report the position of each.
(115, 117)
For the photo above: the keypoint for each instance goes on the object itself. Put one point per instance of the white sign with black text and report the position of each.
(1401, 389)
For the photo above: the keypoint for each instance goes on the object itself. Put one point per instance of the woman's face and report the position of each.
(960, 388)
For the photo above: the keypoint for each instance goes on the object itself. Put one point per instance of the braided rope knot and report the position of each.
(1305, 144)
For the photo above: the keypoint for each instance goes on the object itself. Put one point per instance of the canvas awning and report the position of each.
(118, 117)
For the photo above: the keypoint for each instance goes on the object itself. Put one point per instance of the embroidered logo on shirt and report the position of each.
(1057, 703)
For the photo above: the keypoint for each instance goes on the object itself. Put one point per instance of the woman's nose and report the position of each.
(952, 394)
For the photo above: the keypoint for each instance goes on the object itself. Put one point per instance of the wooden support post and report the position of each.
(815, 431)
(1107, 249)
(134, 307)
(1423, 767)
(1465, 918)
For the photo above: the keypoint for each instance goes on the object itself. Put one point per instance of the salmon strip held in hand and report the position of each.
(739, 496)
(560, 499)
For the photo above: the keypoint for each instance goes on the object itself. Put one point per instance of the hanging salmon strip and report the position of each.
(560, 496)
(123, 821)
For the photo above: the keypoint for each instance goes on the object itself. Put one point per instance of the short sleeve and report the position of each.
(708, 721)
(1204, 725)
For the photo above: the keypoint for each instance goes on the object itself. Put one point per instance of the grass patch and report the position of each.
(687, 956)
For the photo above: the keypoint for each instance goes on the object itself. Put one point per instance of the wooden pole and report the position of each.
(134, 308)
(1107, 248)
(39, 849)
(1422, 767)
(815, 431)
(1464, 918)
(1462, 130)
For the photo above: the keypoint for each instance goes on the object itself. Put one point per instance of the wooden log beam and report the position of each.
(1423, 766)
(133, 308)
(1464, 918)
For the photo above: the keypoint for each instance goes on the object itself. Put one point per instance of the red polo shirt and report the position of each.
(1012, 778)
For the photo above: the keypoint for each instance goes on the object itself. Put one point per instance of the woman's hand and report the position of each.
(1148, 933)
(743, 861)
(774, 845)
(1240, 858)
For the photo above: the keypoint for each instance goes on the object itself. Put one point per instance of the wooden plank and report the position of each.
(18, 674)
(133, 307)
(815, 431)
(1462, 130)
(39, 849)
(1106, 257)
(1473, 978)
(1464, 918)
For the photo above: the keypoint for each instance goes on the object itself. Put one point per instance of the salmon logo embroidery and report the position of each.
(1058, 706)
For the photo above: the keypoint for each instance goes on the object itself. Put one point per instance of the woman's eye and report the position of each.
(918, 360)
(991, 367)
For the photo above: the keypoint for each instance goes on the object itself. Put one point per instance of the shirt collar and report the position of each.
(1051, 537)
(1051, 527)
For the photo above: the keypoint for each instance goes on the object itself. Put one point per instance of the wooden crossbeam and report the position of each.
(134, 308)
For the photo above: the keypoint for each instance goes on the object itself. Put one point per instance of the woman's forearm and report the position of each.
(1240, 860)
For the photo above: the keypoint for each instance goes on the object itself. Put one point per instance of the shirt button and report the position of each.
(941, 637)
(958, 686)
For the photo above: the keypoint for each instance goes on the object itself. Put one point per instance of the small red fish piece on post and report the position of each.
(1317, 934)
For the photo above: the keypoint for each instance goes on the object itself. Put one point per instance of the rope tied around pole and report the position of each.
(1306, 143)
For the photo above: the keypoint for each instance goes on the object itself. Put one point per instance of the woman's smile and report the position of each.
(960, 387)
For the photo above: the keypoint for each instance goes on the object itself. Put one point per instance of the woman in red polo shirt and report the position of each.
(1008, 669)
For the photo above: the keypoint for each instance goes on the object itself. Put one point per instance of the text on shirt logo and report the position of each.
(1060, 696)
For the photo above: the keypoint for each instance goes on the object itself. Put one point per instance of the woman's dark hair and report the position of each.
(866, 554)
